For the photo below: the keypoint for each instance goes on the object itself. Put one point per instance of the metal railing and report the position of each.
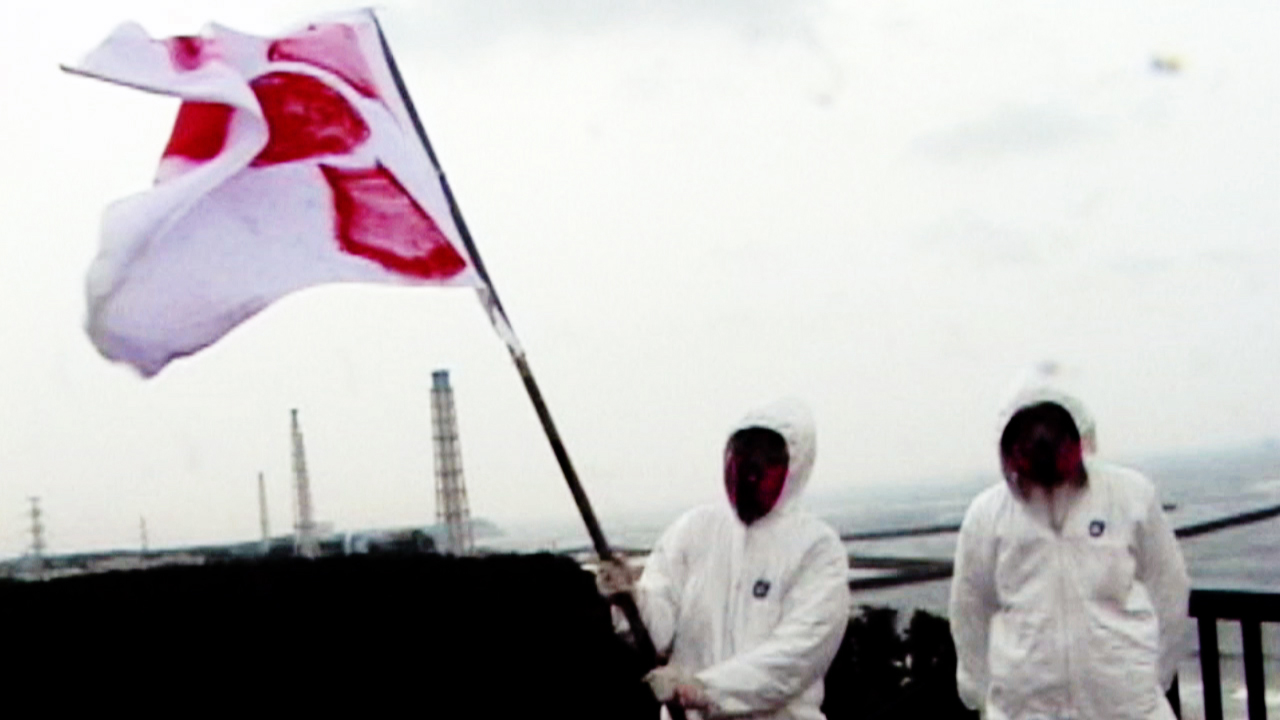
(1251, 609)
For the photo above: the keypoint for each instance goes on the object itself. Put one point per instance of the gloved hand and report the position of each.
(614, 578)
(671, 682)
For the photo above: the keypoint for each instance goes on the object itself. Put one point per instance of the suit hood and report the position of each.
(791, 419)
(1047, 383)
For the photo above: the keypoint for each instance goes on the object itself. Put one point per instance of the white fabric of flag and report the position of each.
(293, 162)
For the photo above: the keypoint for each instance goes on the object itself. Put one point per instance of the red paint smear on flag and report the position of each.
(378, 220)
(200, 132)
(186, 52)
(305, 118)
(331, 47)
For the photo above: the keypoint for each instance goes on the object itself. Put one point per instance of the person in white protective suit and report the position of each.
(1069, 598)
(750, 599)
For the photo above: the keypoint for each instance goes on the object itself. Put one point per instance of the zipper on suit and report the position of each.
(737, 567)
(1064, 636)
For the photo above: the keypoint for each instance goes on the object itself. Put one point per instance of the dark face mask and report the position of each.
(755, 471)
(1042, 446)
(1042, 458)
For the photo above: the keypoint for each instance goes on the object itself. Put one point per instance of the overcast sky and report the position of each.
(888, 208)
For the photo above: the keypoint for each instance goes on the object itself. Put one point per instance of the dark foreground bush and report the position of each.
(881, 673)
(375, 636)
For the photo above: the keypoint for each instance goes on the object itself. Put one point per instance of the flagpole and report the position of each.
(522, 364)
(626, 602)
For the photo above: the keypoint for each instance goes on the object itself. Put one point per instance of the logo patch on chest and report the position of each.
(760, 589)
(1097, 527)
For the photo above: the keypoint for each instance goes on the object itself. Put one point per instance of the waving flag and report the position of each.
(293, 162)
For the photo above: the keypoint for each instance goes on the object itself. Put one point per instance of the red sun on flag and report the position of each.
(332, 47)
(307, 118)
(378, 220)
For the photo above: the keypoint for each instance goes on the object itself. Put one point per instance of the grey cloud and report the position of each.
(486, 21)
(982, 242)
(1009, 131)
(1138, 266)
(1236, 257)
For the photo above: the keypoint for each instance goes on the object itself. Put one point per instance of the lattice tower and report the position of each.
(305, 540)
(452, 511)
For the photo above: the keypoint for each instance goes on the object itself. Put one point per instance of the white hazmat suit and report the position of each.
(1070, 603)
(756, 611)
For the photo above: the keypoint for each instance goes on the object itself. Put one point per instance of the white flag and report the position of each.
(293, 162)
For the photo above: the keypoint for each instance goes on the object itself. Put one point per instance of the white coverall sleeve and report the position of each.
(815, 613)
(973, 603)
(658, 589)
(1160, 568)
